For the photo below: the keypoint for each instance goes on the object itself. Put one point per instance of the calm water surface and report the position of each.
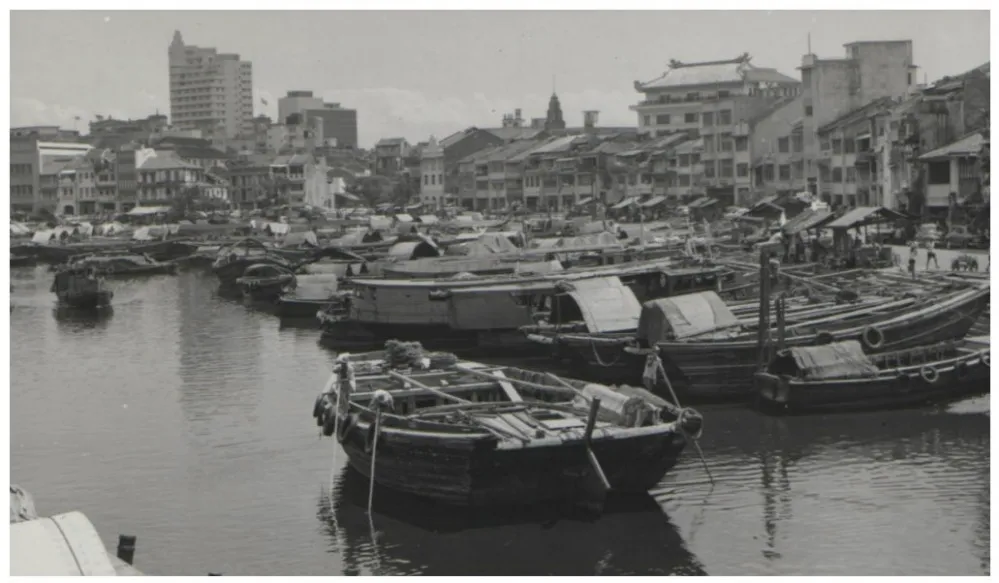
(185, 419)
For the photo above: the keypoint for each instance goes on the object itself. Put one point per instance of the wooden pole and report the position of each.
(764, 318)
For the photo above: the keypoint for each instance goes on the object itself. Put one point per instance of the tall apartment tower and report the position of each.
(209, 91)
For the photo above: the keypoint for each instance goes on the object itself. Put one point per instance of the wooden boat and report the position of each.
(81, 289)
(233, 260)
(292, 307)
(122, 265)
(22, 260)
(468, 312)
(721, 365)
(164, 250)
(467, 434)
(265, 281)
(840, 376)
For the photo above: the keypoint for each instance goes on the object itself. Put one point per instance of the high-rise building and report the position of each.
(209, 91)
(339, 125)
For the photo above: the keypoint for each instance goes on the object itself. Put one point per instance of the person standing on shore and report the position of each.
(913, 255)
(931, 254)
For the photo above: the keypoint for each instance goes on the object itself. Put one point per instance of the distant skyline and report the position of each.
(414, 74)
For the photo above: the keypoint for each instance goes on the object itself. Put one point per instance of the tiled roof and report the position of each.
(164, 160)
(970, 145)
(534, 145)
(510, 150)
(768, 75)
(292, 160)
(556, 145)
(713, 73)
(858, 114)
(508, 134)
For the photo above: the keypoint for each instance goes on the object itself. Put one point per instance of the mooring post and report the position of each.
(763, 327)
(126, 548)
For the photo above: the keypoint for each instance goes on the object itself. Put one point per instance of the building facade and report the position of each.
(209, 91)
(338, 124)
(714, 101)
(432, 193)
(30, 149)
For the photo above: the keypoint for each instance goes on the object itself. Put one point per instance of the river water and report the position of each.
(184, 419)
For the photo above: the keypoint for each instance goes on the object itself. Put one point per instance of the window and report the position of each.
(662, 119)
(909, 78)
(709, 144)
(823, 144)
(725, 168)
(709, 169)
(683, 179)
(796, 143)
(646, 120)
(693, 96)
(851, 175)
(837, 175)
(742, 170)
(694, 159)
(723, 94)
(837, 146)
(798, 169)
(725, 117)
(808, 111)
(784, 172)
(684, 160)
(782, 145)
(433, 179)
(741, 144)
(768, 173)
(824, 173)
(725, 142)
(849, 146)
(690, 118)
(426, 180)
(708, 118)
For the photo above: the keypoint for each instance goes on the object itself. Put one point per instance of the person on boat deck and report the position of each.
(931, 254)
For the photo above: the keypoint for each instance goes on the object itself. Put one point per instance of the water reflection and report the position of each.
(413, 536)
(74, 321)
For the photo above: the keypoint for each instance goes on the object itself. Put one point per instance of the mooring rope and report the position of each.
(374, 456)
(682, 415)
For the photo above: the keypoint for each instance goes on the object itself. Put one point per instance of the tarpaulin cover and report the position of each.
(607, 305)
(837, 360)
(684, 316)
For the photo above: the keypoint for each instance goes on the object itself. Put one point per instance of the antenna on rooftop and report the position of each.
(809, 43)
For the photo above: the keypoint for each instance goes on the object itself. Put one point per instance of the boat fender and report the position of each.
(345, 425)
(329, 422)
(929, 374)
(319, 406)
(985, 358)
(691, 423)
(823, 338)
(962, 370)
(873, 338)
(382, 401)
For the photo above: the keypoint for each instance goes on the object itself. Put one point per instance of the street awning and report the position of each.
(625, 203)
(653, 201)
(148, 210)
(866, 215)
(808, 219)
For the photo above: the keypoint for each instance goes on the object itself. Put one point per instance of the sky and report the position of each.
(422, 73)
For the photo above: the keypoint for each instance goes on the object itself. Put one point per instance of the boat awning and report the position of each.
(702, 202)
(831, 361)
(607, 305)
(585, 201)
(866, 215)
(148, 210)
(64, 544)
(684, 316)
(653, 201)
(404, 218)
(625, 203)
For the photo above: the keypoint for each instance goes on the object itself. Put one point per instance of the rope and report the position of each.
(682, 415)
(596, 355)
(374, 456)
